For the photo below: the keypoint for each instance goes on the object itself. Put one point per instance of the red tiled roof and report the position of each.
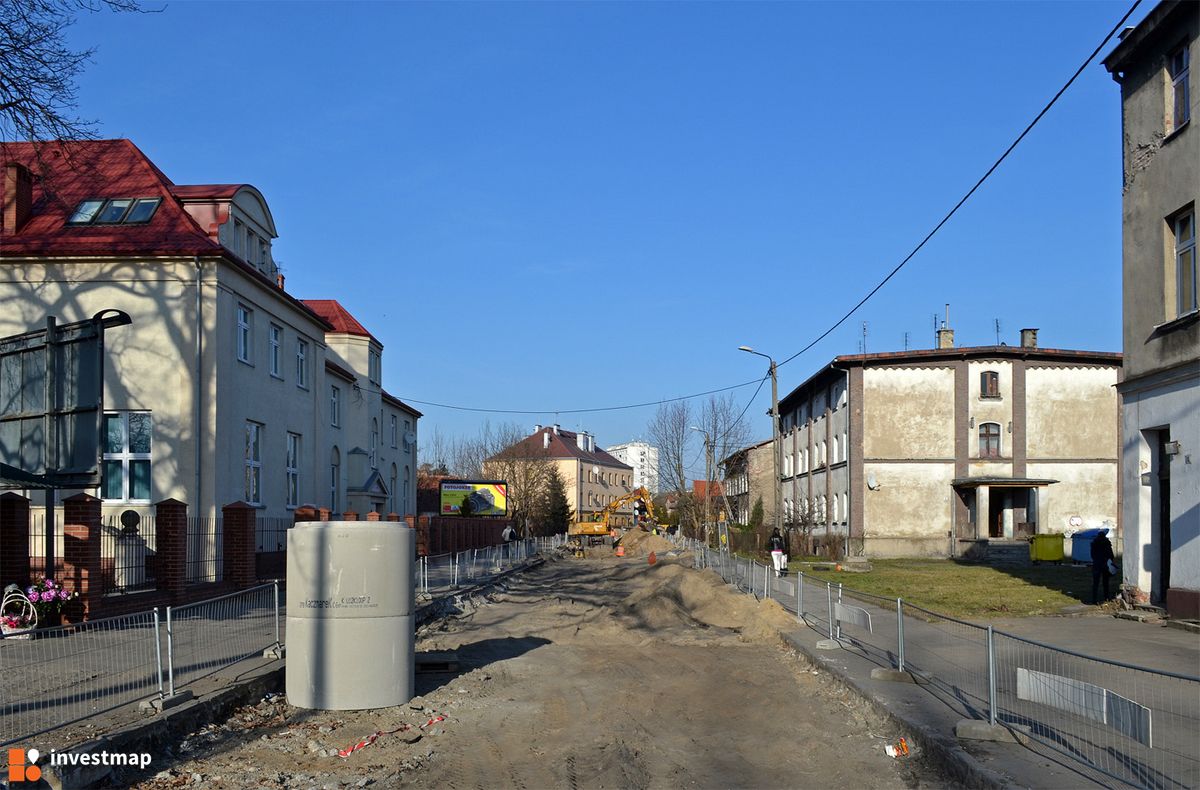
(562, 445)
(338, 317)
(98, 169)
(713, 486)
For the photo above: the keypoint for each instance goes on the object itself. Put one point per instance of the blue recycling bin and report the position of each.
(1081, 544)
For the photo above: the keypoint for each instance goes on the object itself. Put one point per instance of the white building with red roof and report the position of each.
(222, 387)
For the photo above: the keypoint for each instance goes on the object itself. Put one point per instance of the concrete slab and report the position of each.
(977, 730)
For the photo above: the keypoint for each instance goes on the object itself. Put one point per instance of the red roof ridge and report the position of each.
(338, 317)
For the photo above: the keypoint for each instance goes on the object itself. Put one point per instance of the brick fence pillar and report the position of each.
(373, 516)
(393, 516)
(305, 513)
(324, 514)
(170, 535)
(81, 556)
(349, 515)
(14, 540)
(237, 525)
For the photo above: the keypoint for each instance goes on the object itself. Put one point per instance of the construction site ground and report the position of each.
(590, 672)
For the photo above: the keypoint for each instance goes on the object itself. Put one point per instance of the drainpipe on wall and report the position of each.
(198, 382)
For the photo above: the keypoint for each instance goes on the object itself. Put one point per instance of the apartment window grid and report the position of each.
(1185, 262)
(253, 463)
(989, 440)
(374, 443)
(407, 430)
(394, 430)
(245, 320)
(373, 367)
(302, 363)
(335, 476)
(127, 457)
(335, 406)
(292, 470)
(276, 354)
(1179, 69)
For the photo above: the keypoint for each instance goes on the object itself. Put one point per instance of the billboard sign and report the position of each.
(488, 497)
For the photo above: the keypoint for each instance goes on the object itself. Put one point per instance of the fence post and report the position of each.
(81, 555)
(839, 625)
(158, 653)
(14, 539)
(170, 656)
(991, 648)
(275, 584)
(829, 600)
(237, 549)
(900, 634)
(800, 596)
(170, 527)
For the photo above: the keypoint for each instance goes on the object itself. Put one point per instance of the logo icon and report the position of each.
(19, 770)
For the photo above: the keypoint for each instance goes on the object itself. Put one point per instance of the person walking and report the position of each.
(777, 546)
(1102, 565)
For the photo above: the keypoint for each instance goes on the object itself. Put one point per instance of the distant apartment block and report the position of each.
(1160, 478)
(643, 457)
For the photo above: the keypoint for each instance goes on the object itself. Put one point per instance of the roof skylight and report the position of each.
(116, 211)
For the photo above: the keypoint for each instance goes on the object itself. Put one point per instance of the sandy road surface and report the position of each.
(579, 674)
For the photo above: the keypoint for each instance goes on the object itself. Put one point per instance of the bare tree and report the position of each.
(526, 467)
(38, 70)
(669, 431)
(726, 427)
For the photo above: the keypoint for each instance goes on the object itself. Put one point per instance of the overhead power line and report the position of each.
(895, 270)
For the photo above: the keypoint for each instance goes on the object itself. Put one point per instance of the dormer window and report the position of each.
(117, 211)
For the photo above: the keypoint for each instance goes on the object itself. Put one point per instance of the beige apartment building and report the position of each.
(219, 389)
(593, 478)
(940, 452)
(1160, 479)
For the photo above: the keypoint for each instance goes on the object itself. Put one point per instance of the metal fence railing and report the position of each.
(128, 552)
(449, 571)
(204, 556)
(56, 676)
(202, 638)
(270, 546)
(1116, 721)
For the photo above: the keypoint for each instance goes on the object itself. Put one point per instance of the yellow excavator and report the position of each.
(595, 531)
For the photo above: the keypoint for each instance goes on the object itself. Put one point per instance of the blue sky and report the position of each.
(558, 206)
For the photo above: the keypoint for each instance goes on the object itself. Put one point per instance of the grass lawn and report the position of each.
(968, 590)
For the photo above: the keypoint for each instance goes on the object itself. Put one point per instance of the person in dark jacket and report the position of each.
(1102, 555)
(777, 546)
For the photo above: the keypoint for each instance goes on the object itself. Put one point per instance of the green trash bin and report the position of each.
(1046, 548)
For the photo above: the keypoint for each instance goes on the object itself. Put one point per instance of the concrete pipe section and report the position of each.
(350, 622)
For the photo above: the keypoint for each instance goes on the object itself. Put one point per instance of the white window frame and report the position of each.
(335, 478)
(374, 366)
(125, 456)
(394, 427)
(1178, 70)
(276, 351)
(252, 484)
(335, 405)
(302, 363)
(245, 334)
(374, 443)
(1185, 259)
(292, 470)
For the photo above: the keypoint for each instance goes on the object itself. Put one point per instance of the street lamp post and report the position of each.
(707, 476)
(774, 433)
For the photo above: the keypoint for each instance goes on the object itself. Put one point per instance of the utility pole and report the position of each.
(708, 474)
(775, 446)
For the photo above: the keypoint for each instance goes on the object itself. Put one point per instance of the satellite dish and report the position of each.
(872, 483)
(595, 470)
(409, 438)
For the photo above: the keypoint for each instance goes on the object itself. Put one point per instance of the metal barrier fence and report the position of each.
(1116, 721)
(56, 676)
(53, 677)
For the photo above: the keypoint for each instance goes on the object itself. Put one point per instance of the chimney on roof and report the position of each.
(591, 443)
(556, 429)
(546, 440)
(537, 429)
(1029, 338)
(18, 196)
(581, 440)
(945, 335)
(279, 280)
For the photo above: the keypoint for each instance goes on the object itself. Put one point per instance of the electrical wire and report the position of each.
(895, 270)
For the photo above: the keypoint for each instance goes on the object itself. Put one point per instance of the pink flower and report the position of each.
(48, 596)
(63, 595)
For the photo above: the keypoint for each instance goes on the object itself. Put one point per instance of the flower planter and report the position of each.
(16, 633)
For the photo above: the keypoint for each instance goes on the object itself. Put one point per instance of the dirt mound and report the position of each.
(675, 595)
(639, 544)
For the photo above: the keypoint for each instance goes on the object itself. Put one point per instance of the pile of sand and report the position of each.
(675, 595)
(639, 544)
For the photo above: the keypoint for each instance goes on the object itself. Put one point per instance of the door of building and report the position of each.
(1162, 508)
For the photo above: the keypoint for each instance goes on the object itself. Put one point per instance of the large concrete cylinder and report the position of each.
(350, 625)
